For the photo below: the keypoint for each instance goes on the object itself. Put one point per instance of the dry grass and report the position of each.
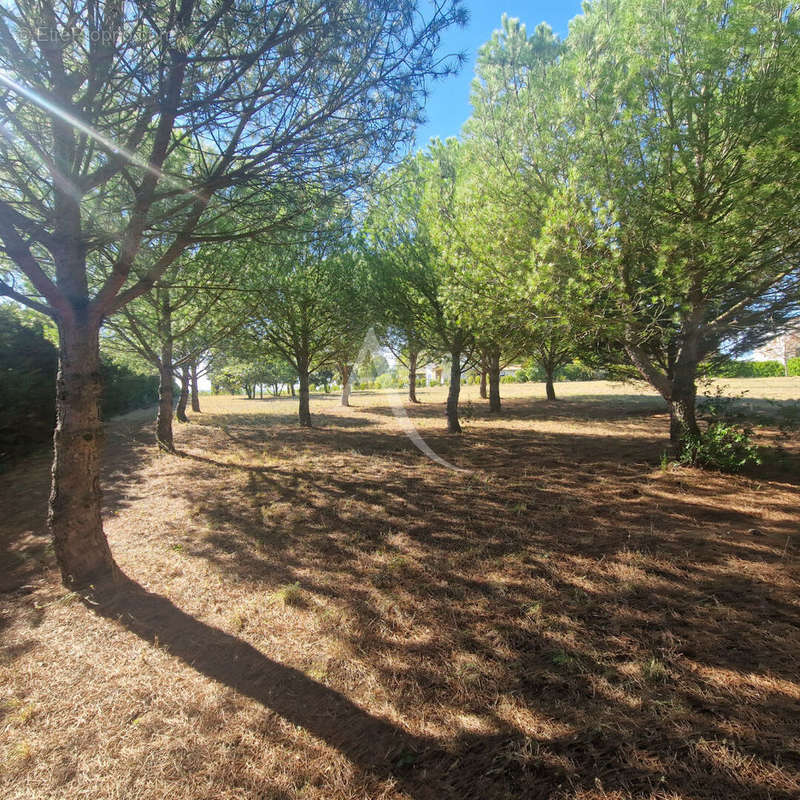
(326, 614)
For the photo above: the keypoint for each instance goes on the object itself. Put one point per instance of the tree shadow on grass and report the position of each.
(366, 740)
(501, 764)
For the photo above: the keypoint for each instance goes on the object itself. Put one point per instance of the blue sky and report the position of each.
(448, 105)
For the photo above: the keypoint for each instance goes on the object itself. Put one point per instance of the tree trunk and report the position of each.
(494, 381)
(183, 399)
(412, 377)
(291, 387)
(346, 372)
(195, 391)
(680, 391)
(453, 425)
(165, 404)
(304, 410)
(165, 386)
(682, 412)
(483, 382)
(548, 383)
(74, 516)
(260, 391)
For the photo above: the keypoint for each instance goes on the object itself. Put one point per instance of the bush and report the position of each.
(124, 390)
(575, 372)
(722, 446)
(793, 366)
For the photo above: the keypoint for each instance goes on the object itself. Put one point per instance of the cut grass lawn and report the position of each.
(327, 614)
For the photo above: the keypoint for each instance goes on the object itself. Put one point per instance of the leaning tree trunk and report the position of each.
(412, 377)
(195, 392)
(183, 399)
(494, 381)
(483, 382)
(165, 403)
(304, 410)
(74, 516)
(346, 372)
(453, 425)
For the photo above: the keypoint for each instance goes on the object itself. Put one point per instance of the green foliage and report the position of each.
(125, 390)
(722, 446)
(372, 366)
(749, 369)
(28, 367)
(793, 366)
(389, 380)
(726, 444)
(720, 407)
(678, 222)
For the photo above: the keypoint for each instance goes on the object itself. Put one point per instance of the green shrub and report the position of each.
(575, 372)
(125, 391)
(793, 366)
(388, 380)
(722, 446)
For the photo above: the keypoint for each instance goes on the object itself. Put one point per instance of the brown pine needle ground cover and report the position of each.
(326, 614)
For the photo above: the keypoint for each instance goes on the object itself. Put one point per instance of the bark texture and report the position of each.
(166, 401)
(453, 425)
(346, 371)
(549, 387)
(304, 409)
(195, 391)
(493, 365)
(412, 377)
(183, 399)
(74, 516)
(165, 405)
(682, 406)
(678, 387)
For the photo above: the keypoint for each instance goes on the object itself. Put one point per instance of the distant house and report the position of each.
(511, 369)
(781, 348)
(433, 372)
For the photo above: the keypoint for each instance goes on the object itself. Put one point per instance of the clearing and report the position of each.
(328, 614)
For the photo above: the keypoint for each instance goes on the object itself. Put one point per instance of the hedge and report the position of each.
(748, 369)
(28, 366)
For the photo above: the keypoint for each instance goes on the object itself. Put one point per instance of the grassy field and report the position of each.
(327, 614)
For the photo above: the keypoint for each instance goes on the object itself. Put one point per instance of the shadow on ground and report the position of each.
(566, 620)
